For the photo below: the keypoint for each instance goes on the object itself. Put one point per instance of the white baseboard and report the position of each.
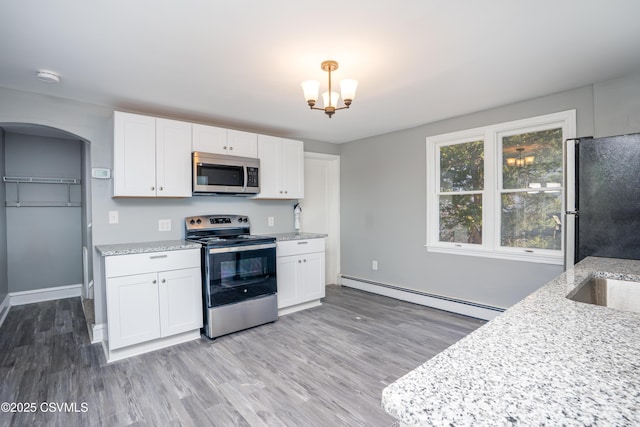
(145, 347)
(299, 307)
(479, 311)
(99, 333)
(5, 305)
(46, 294)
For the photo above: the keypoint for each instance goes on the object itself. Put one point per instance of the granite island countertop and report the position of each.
(545, 361)
(145, 247)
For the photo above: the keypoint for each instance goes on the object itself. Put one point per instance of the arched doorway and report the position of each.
(45, 217)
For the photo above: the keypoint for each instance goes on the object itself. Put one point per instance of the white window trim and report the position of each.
(490, 246)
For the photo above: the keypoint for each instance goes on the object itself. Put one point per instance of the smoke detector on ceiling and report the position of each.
(48, 76)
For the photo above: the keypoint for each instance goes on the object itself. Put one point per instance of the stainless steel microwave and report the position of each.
(223, 174)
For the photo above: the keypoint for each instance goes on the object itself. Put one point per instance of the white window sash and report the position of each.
(491, 194)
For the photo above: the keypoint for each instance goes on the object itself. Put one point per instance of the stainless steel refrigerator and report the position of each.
(607, 197)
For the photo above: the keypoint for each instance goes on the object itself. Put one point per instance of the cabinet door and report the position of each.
(269, 155)
(312, 283)
(133, 314)
(134, 165)
(288, 271)
(209, 139)
(173, 158)
(243, 144)
(292, 169)
(180, 301)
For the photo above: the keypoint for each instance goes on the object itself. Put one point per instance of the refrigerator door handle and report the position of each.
(576, 213)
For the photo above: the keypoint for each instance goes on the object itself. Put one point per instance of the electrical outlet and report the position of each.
(270, 221)
(374, 264)
(164, 225)
(113, 217)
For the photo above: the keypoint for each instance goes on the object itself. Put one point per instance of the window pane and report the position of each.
(461, 218)
(532, 220)
(462, 167)
(532, 160)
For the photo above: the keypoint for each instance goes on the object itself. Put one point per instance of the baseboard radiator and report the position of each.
(454, 305)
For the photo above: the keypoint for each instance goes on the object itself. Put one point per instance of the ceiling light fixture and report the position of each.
(520, 161)
(48, 76)
(330, 98)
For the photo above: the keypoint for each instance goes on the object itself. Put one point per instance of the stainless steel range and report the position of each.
(238, 273)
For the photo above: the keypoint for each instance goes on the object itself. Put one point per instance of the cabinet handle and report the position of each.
(224, 148)
(161, 188)
(154, 282)
(153, 188)
(164, 280)
(303, 243)
(158, 256)
(305, 260)
(299, 262)
(230, 148)
(280, 191)
(285, 192)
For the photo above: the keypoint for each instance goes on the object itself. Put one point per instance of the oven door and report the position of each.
(240, 273)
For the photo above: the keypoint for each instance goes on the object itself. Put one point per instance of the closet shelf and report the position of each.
(41, 180)
(43, 204)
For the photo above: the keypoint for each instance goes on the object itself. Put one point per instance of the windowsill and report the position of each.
(512, 256)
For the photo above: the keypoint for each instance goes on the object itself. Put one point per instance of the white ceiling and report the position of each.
(239, 63)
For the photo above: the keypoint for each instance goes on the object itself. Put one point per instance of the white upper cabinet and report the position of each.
(281, 168)
(152, 157)
(242, 143)
(173, 158)
(134, 156)
(211, 139)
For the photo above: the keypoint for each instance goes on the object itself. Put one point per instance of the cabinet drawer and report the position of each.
(296, 247)
(125, 265)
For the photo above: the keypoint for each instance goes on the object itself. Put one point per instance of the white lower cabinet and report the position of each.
(301, 274)
(153, 300)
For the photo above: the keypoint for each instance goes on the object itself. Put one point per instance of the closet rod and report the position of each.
(41, 180)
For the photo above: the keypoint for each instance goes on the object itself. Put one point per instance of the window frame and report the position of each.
(492, 190)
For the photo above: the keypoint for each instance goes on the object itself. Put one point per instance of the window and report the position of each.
(497, 191)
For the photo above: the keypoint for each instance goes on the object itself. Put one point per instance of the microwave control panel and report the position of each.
(252, 177)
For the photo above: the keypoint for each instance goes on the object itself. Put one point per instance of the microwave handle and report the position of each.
(244, 168)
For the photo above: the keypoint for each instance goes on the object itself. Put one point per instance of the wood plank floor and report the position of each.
(325, 366)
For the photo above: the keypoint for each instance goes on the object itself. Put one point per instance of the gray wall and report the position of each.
(4, 284)
(44, 243)
(383, 200)
(321, 147)
(617, 106)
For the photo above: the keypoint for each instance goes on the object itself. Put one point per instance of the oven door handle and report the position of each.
(244, 168)
(242, 248)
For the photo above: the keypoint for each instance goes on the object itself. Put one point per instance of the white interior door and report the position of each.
(321, 206)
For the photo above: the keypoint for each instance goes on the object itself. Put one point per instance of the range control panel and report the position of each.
(216, 222)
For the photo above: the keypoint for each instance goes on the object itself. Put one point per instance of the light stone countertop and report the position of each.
(545, 361)
(145, 247)
(282, 237)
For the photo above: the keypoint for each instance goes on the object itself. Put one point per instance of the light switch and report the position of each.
(113, 217)
(270, 221)
(164, 225)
